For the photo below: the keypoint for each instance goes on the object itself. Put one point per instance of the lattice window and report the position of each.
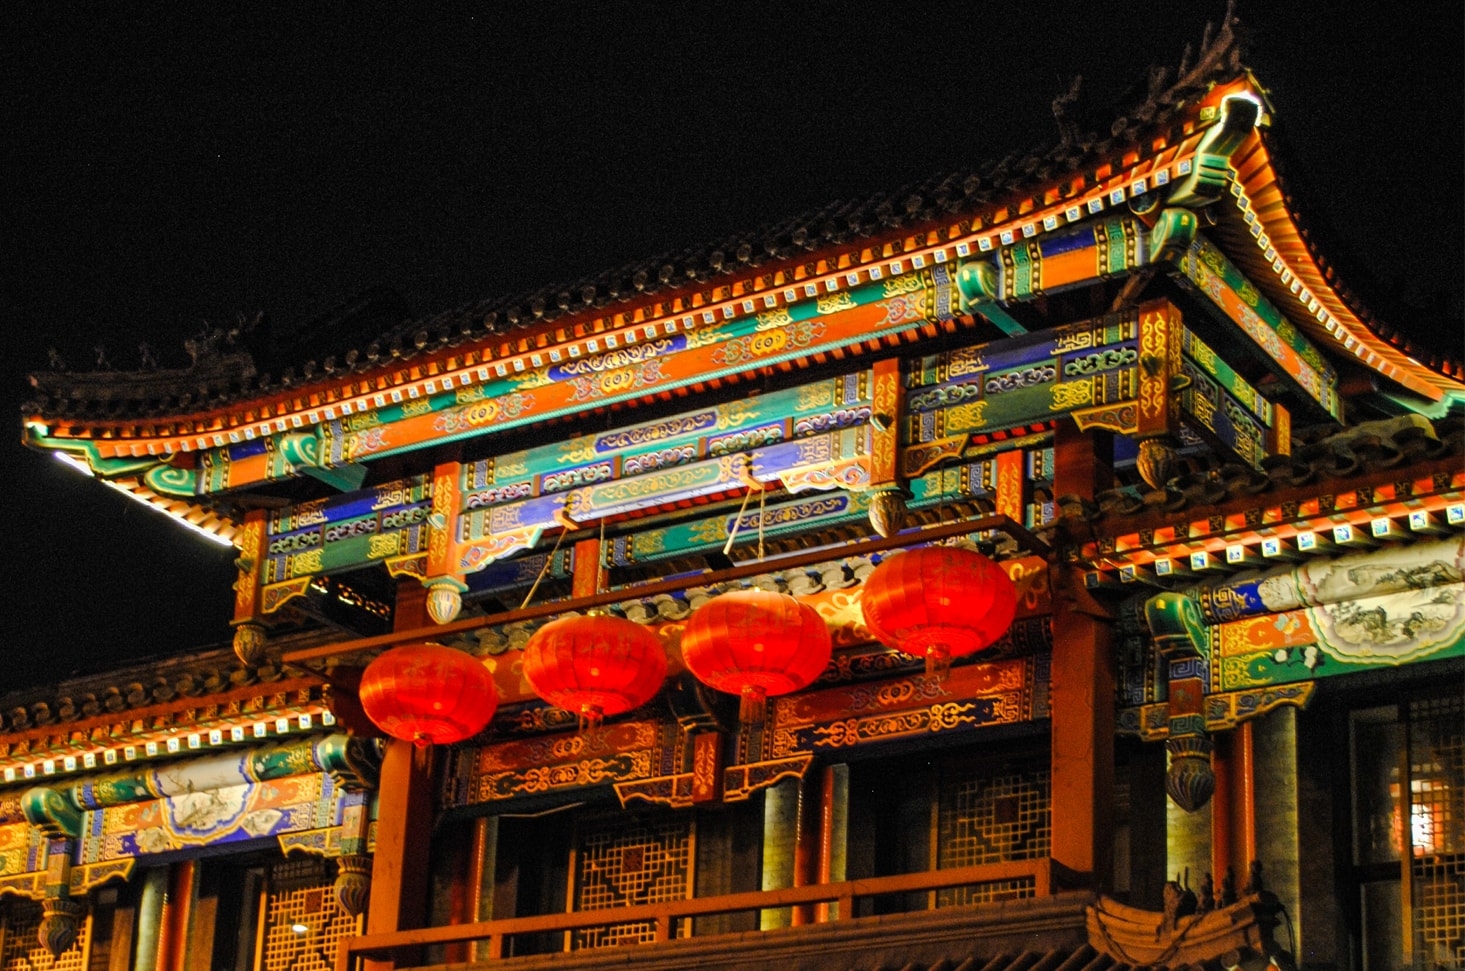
(303, 922)
(1437, 828)
(623, 863)
(994, 818)
(22, 949)
(1018, 888)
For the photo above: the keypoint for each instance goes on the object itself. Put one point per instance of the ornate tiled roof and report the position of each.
(230, 369)
(1325, 459)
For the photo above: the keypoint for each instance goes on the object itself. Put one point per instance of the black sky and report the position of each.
(171, 165)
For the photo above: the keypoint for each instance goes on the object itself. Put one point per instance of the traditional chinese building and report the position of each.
(1190, 527)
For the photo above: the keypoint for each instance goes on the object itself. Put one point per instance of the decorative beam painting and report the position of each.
(1207, 272)
(557, 382)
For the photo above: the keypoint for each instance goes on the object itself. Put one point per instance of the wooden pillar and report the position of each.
(123, 919)
(1222, 801)
(150, 916)
(399, 869)
(455, 864)
(833, 800)
(1233, 806)
(1082, 693)
(1083, 745)
(1274, 835)
(174, 919)
(808, 845)
(780, 838)
(1243, 799)
(468, 860)
(1147, 831)
(481, 865)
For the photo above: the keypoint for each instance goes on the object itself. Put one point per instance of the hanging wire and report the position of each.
(544, 570)
(732, 536)
(600, 571)
(941, 470)
(762, 495)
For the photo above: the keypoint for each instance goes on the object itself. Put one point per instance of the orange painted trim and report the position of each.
(1317, 307)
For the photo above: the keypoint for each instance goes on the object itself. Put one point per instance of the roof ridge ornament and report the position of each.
(1239, 114)
(1219, 50)
(1220, 53)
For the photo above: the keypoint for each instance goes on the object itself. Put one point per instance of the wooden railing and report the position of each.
(666, 915)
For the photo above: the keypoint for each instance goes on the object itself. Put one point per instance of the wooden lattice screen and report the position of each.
(1437, 829)
(994, 819)
(620, 863)
(21, 949)
(303, 922)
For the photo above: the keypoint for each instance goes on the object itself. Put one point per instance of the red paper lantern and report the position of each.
(597, 666)
(753, 644)
(938, 602)
(428, 694)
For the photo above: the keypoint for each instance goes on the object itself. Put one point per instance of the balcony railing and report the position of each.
(667, 915)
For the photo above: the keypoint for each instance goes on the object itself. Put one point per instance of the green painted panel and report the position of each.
(1237, 301)
(1198, 352)
(707, 432)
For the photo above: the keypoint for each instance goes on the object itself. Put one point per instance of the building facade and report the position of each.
(1222, 724)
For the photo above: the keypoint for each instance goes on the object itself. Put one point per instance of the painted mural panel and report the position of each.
(1339, 638)
(1066, 258)
(212, 817)
(776, 519)
(1221, 414)
(1393, 569)
(708, 432)
(1377, 609)
(1200, 355)
(22, 851)
(602, 371)
(834, 459)
(347, 531)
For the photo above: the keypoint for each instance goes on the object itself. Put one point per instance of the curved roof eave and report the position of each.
(1284, 260)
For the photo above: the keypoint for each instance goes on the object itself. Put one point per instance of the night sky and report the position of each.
(171, 166)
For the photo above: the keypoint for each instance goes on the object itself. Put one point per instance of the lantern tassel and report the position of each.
(591, 718)
(753, 706)
(938, 662)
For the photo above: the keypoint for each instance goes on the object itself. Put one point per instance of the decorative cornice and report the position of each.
(242, 717)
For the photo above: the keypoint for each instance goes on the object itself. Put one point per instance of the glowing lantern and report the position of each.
(938, 602)
(753, 644)
(428, 694)
(597, 666)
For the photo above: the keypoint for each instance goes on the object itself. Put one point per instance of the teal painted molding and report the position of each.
(52, 813)
(1207, 181)
(1177, 627)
